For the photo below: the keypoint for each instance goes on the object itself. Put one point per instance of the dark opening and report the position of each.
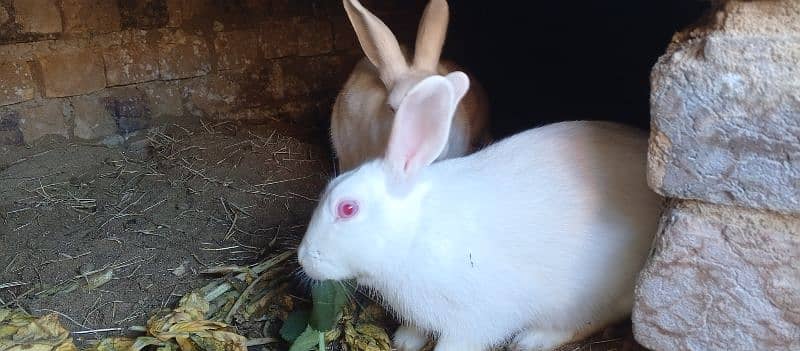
(565, 60)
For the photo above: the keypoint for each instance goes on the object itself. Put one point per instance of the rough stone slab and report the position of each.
(17, 83)
(37, 121)
(220, 15)
(236, 49)
(278, 38)
(294, 8)
(38, 16)
(183, 55)
(25, 51)
(164, 98)
(780, 17)
(214, 95)
(10, 133)
(303, 36)
(301, 76)
(344, 37)
(132, 61)
(92, 119)
(144, 14)
(725, 105)
(174, 13)
(4, 16)
(72, 73)
(721, 278)
(129, 108)
(314, 36)
(91, 16)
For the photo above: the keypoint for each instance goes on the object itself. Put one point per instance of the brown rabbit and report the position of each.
(364, 110)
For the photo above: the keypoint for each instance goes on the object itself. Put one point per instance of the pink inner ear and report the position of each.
(421, 126)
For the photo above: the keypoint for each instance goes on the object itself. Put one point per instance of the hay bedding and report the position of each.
(102, 237)
(155, 212)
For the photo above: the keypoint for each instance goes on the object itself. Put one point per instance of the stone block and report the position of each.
(143, 14)
(92, 119)
(129, 108)
(726, 110)
(214, 96)
(297, 111)
(721, 278)
(275, 87)
(236, 49)
(164, 98)
(344, 37)
(25, 51)
(36, 121)
(301, 111)
(38, 16)
(182, 55)
(777, 17)
(182, 12)
(220, 15)
(10, 133)
(296, 8)
(72, 73)
(301, 76)
(4, 16)
(314, 36)
(91, 16)
(17, 83)
(278, 38)
(304, 36)
(133, 61)
(174, 13)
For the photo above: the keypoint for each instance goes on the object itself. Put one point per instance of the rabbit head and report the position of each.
(366, 215)
(384, 52)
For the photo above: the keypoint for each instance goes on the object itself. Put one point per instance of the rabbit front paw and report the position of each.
(408, 338)
(456, 344)
(539, 340)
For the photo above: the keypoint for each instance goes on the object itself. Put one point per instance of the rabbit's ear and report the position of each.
(421, 126)
(379, 44)
(431, 34)
(460, 82)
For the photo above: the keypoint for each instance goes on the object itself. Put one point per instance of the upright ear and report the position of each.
(379, 44)
(431, 34)
(460, 82)
(422, 125)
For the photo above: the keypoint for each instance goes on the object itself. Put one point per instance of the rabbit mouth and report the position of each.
(320, 270)
(318, 266)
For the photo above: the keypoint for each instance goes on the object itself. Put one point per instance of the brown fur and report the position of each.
(363, 113)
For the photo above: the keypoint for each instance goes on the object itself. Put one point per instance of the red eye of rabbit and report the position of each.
(346, 209)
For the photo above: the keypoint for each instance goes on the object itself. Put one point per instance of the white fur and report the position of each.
(539, 236)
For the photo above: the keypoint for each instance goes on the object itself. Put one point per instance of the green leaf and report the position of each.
(306, 341)
(329, 298)
(294, 325)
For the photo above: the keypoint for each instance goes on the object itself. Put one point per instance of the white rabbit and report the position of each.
(536, 239)
(363, 112)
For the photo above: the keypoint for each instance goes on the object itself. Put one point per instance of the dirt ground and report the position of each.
(157, 209)
(154, 211)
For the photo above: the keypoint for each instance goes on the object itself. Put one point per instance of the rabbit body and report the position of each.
(538, 238)
(543, 233)
(364, 110)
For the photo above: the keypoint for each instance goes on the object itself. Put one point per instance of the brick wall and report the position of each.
(92, 68)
